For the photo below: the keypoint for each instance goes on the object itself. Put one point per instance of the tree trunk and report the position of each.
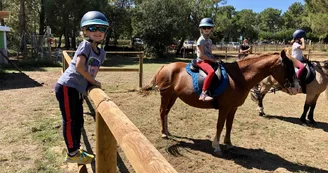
(22, 24)
(42, 18)
(74, 39)
(66, 31)
(60, 40)
(180, 46)
(67, 42)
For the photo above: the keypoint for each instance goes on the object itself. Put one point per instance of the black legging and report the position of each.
(71, 107)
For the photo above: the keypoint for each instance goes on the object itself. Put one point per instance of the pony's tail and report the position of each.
(152, 84)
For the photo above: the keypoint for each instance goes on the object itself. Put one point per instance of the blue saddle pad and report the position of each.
(221, 87)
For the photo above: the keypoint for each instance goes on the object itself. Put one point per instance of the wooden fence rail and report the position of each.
(112, 127)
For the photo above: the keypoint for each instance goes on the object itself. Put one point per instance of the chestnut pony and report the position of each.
(313, 91)
(173, 81)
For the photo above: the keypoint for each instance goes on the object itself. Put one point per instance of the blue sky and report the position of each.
(260, 5)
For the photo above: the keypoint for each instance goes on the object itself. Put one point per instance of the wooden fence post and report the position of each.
(226, 52)
(106, 147)
(140, 69)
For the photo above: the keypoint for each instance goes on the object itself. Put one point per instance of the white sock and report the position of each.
(73, 153)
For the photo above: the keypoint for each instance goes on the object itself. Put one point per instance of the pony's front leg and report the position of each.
(227, 138)
(311, 112)
(220, 123)
(260, 107)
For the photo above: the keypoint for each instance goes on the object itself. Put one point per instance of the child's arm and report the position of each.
(203, 56)
(245, 51)
(80, 67)
(303, 44)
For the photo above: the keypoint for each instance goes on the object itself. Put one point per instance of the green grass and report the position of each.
(47, 134)
(28, 65)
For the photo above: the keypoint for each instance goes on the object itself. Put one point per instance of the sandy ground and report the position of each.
(276, 142)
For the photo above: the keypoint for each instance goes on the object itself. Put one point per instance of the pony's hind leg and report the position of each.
(167, 101)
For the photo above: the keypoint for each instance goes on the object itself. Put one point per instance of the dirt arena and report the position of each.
(31, 140)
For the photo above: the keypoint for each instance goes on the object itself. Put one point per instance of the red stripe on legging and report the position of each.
(68, 118)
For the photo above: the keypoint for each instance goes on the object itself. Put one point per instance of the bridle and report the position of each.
(287, 64)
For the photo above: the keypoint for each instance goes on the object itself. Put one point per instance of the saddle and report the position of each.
(202, 75)
(308, 75)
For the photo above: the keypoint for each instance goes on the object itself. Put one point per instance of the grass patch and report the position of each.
(50, 163)
(28, 65)
(48, 136)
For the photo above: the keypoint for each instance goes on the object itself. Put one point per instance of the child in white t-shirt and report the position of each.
(298, 45)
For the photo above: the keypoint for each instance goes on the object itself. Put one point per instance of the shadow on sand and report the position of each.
(247, 158)
(16, 81)
(318, 125)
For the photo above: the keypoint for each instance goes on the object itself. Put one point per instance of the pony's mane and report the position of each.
(252, 57)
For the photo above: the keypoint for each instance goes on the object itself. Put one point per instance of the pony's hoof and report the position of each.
(165, 136)
(303, 121)
(261, 114)
(229, 146)
(218, 153)
(313, 122)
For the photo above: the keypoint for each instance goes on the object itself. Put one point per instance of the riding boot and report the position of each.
(204, 97)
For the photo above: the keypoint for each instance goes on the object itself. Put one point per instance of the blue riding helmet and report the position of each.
(94, 18)
(206, 22)
(299, 34)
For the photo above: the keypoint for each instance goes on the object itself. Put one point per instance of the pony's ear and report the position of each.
(283, 53)
(325, 64)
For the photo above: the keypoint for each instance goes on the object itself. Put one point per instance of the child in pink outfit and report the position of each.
(297, 47)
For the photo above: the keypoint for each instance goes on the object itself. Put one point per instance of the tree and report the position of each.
(292, 18)
(246, 24)
(225, 23)
(317, 16)
(159, 22)
(22, 24)
(269, 20)
(119, 15)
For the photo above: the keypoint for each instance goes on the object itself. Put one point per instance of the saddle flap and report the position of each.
(309, 74)
(218, 85)
(215, 82)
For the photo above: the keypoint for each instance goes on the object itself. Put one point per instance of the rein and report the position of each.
(271, 90)
(287, 84)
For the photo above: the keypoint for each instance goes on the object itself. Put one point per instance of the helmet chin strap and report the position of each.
(206, 35)
(91, 41)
